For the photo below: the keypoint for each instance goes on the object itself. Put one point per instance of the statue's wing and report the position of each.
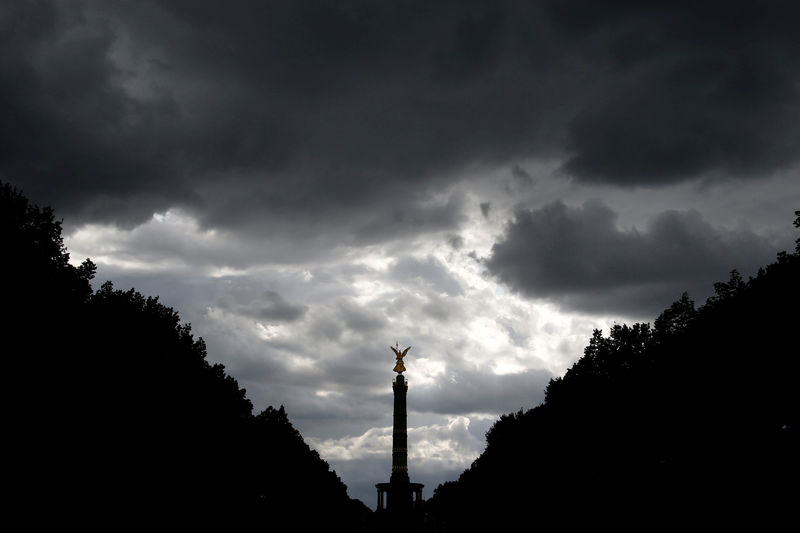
(405, 351)
(395, 351)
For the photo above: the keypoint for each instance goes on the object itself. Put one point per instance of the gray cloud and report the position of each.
(521, 180)
(429, 273)
(692, 90)
(442, 309)
(455, 241)
(366, 321)
(267, 306)
(268, 112)
(579, 257)
(440, 448)
(464, 391)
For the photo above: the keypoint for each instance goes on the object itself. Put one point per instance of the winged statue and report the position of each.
(399, 367)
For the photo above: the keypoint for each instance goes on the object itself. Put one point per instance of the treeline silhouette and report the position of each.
(692, 421)
(115, 417)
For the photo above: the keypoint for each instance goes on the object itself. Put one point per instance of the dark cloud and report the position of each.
(410, 217)
(485, 206)
(429, 274)
(463, 391)
(455, 241)
(518, 338)
(267, 111)
(73, 135)
(268, 306)
(690, 91)
(579, 257)
(365, 321)
(443, 309)
(521, 176)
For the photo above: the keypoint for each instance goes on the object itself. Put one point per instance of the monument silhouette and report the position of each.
(399, 500)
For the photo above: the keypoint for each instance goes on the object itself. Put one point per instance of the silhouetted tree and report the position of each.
(691, 421)
(797, 225)
(676, 318)
(117, 417)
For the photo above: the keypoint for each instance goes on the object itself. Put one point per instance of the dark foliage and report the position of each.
(116, 417)
(691, 421)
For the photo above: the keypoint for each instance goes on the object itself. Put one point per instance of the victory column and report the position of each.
(404, 498)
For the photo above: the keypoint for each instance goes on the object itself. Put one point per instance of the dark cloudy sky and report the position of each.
(308, 182)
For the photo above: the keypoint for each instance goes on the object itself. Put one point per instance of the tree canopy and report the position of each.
(118, 416)
(692, 418)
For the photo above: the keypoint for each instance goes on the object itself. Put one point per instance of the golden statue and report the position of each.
(399, 367)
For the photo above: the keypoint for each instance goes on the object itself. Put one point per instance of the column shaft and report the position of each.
(400, 433)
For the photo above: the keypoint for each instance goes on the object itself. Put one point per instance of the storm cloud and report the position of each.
(468, 392)
(266, 111)
(579, 257)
